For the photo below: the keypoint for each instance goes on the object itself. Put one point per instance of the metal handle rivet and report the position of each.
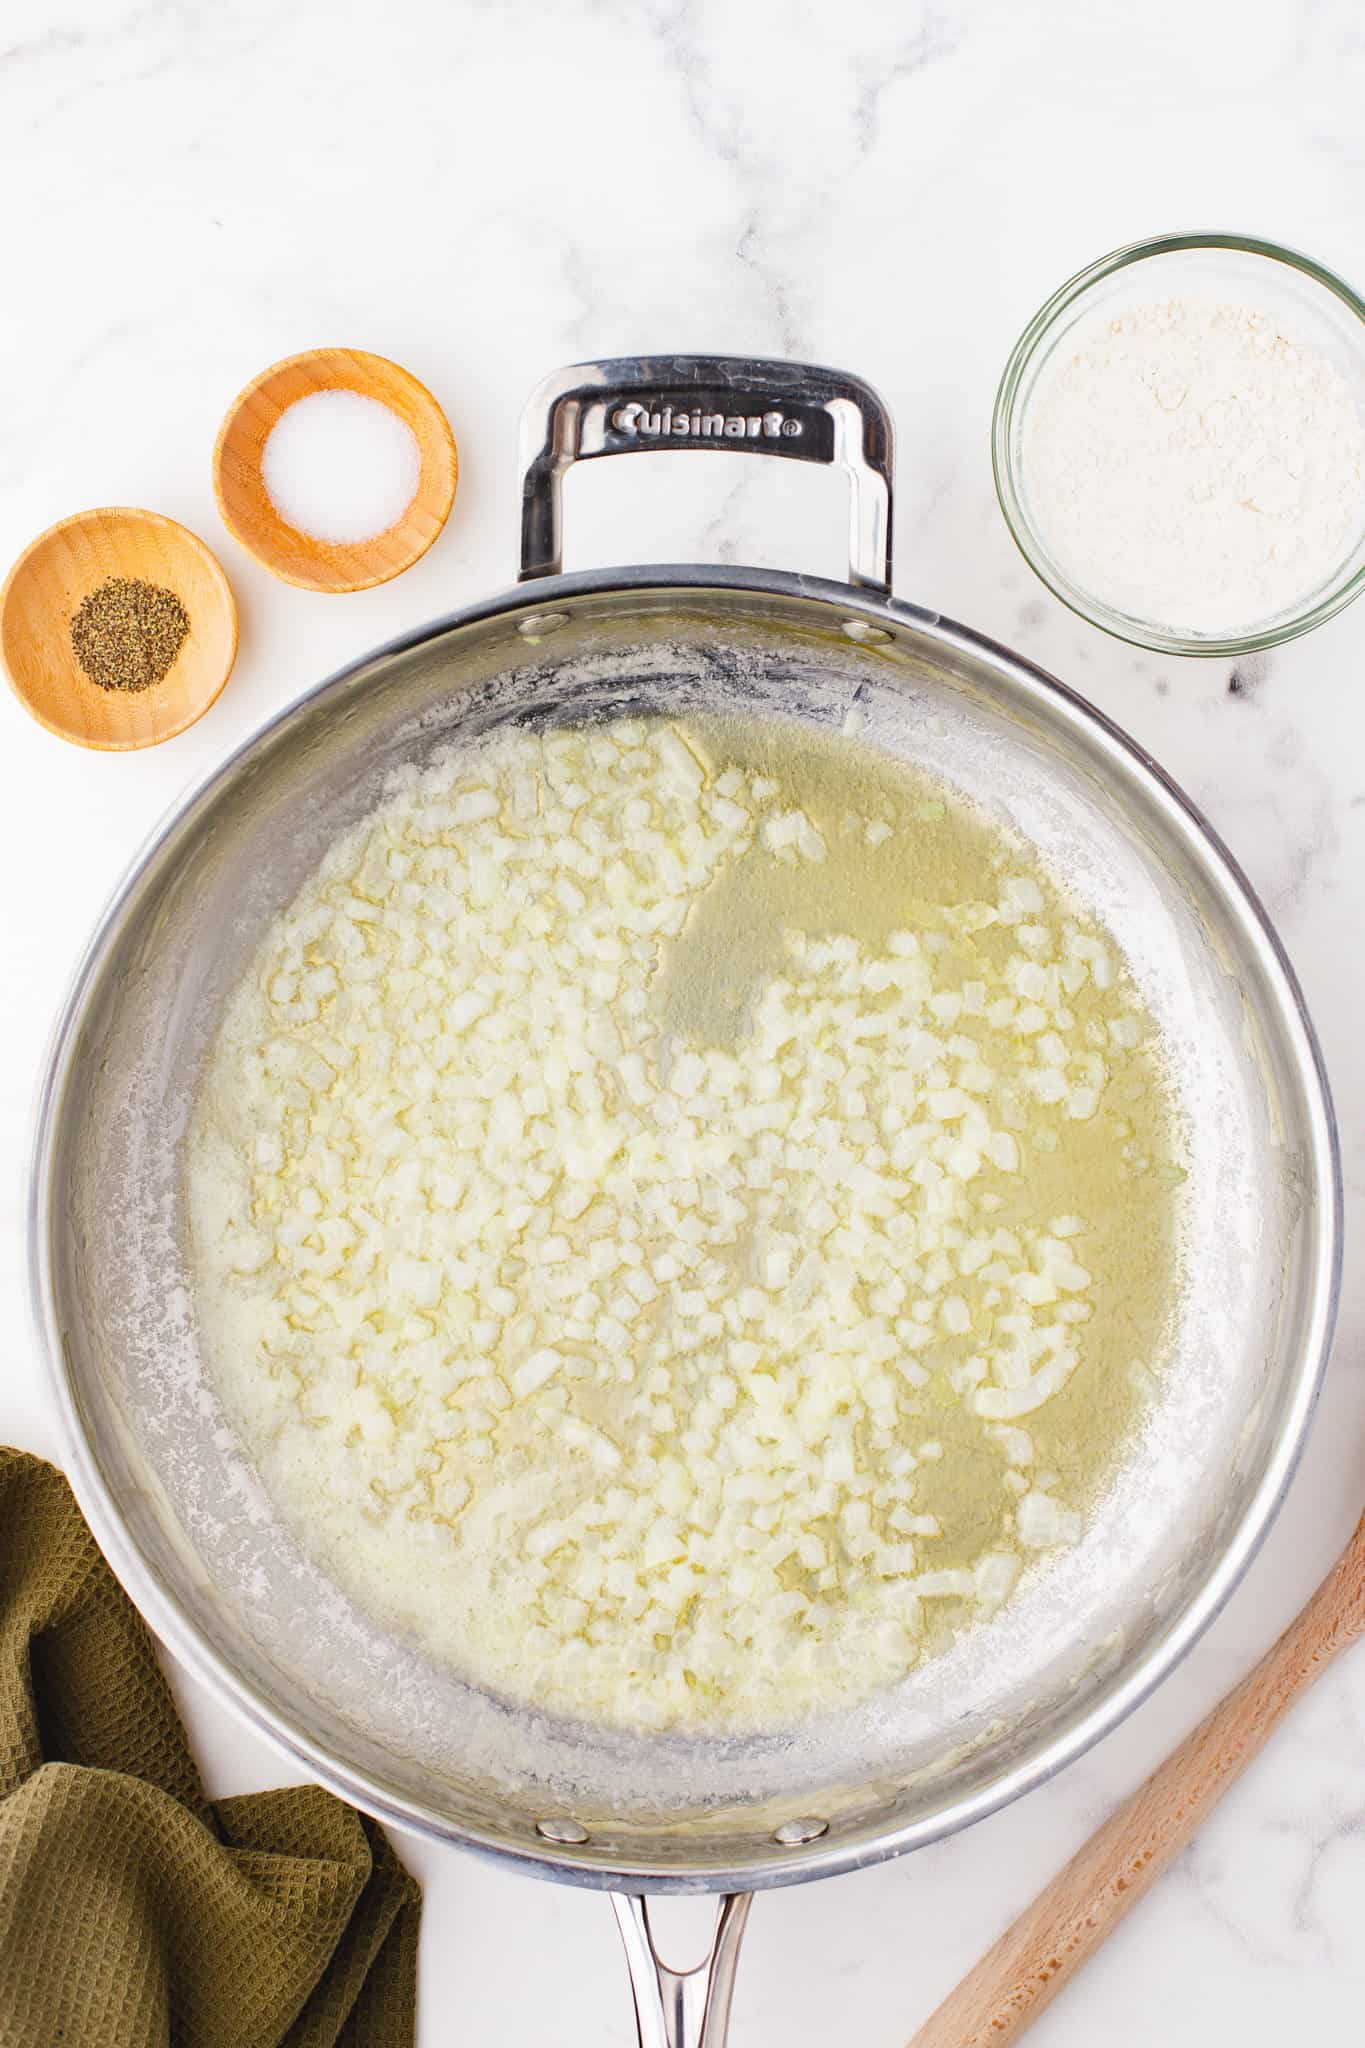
(540, 623)
(792, 1833)
(569, 1832)
(861, 629)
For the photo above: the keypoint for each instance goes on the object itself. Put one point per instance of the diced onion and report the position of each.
(643, 1330)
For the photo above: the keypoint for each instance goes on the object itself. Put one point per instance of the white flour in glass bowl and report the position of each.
(1189, 462)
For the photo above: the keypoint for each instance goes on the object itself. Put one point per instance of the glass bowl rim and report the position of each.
(1120, 625)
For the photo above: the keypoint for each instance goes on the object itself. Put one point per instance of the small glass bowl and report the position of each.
(1323, 313)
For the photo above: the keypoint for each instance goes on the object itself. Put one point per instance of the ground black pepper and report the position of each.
(127, 633)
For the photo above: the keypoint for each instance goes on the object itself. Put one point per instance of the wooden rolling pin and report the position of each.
(1072, 1916)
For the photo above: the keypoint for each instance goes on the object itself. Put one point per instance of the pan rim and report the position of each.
(180, 1634)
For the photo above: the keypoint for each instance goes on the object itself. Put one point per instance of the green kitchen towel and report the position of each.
(134, 1912)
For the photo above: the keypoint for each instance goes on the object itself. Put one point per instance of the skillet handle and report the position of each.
(630, 405)
(682, 2008)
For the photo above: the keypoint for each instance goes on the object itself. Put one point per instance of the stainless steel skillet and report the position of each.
(179, 1511)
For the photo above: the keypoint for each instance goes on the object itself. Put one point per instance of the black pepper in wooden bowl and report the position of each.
(127, 633)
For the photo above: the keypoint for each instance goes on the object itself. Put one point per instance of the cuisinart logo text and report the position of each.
(661, 421)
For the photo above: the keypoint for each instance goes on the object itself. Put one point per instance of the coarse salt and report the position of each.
(340, 467)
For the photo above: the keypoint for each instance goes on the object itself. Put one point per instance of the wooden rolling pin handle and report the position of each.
(1074, 1914)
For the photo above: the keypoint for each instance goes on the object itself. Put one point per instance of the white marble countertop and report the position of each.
(484, 189)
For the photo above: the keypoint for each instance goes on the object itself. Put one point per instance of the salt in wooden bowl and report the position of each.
(301, 558)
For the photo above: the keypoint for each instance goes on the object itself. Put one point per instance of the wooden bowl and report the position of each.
(46, 586)
(298, 557)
